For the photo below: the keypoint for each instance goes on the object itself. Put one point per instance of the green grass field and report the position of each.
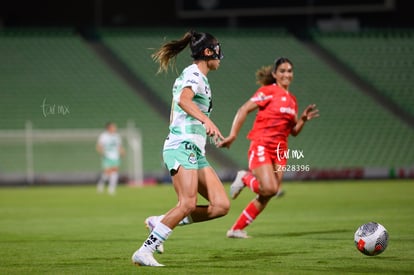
(73, 230)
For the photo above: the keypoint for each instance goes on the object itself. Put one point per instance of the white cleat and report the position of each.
(237, 234)
(150, 223)
(237, 186)
(144, 259)
(280, 193)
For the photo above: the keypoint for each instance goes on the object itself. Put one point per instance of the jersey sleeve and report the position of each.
(191, 80)
(262, 97)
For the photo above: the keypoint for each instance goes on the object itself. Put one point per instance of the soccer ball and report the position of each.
(371, 238)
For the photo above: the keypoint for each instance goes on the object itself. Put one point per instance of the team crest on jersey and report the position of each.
(192, 159)
(261, 97)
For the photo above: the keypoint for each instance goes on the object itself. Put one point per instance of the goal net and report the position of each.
(50, 156)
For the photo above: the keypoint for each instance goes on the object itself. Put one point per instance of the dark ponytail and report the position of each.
(198, 42)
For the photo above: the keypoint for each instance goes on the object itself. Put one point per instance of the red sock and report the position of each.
(248, 215)
(250, 181)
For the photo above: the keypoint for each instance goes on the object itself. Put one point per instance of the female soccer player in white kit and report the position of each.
(109, 146)
(184, 148)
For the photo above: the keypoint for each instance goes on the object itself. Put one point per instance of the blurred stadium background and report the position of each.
(68, 67)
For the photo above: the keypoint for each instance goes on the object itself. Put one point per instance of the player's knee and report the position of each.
(269, 191)
(222, 208)
(188, 206)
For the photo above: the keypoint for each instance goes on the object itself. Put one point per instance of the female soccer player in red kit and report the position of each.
(276, 119)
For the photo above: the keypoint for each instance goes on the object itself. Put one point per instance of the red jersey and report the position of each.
(275, 118)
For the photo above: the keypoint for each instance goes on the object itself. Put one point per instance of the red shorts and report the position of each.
(259, 155)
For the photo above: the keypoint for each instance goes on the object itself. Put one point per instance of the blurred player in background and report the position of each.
(184, 148)
(109, 146)
(276, 119)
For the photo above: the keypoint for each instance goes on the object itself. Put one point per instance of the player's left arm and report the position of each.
(309, 113)
(238, 122)
(99, 148)
(121, 150)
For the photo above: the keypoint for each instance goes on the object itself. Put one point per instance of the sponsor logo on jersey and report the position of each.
(287, 110)
(261, 97)
(192, 81)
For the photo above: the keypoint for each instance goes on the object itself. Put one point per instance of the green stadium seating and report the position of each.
(58, 68)
(353, 131)
(384, 58)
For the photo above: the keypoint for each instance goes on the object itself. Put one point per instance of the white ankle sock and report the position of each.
(113, 182)
(155, 238)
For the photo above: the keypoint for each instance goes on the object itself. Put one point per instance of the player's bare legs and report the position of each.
(212, 189)
(208, 185)
(111, 176)
(187, 183)
(113, 180)
(269, 184)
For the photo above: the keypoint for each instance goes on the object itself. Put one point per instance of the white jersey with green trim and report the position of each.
(110, 142)
(184, 127)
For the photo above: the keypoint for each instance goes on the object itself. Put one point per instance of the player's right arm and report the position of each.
(238, 122)
(186, 103)
(309, 113)
(99, 146)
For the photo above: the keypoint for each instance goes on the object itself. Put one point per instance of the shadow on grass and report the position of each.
(304, 233)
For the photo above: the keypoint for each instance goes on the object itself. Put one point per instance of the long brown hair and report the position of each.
(168, 52)
(264, 74)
